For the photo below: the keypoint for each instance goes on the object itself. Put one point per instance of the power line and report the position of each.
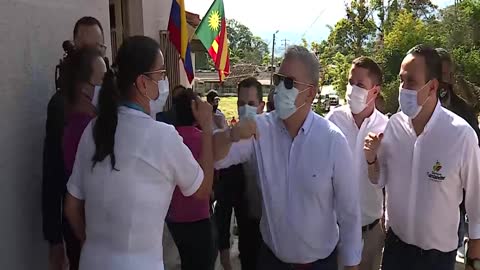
(314, 21)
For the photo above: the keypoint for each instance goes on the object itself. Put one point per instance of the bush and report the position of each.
(390, 93)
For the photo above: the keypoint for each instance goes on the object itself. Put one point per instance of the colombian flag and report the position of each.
(212, 32)
(178, 33)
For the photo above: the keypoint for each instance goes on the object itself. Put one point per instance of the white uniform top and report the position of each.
(307, 187)
(425, 177)
(125, 209)
(371, 197)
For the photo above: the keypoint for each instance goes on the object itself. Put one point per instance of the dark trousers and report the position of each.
(398, 255)
(268, 261)
(229, 193)
(195, 243)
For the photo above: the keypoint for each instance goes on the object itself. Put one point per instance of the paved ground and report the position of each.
(172, 260)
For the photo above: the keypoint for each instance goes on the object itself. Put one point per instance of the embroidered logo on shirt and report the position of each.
(435, 174)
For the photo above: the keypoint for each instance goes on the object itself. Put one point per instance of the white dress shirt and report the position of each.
(371, 197)
(125, 209)
(307, 187)
(425, 177)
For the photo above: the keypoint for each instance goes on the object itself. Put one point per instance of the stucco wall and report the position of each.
(155, 16)
(31, 33)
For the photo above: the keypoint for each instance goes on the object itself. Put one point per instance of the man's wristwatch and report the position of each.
(473, 263)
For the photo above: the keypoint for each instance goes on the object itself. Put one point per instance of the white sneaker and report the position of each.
(461, 252)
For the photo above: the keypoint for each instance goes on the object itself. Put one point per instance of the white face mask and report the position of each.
(247, 112)
(284, 100)
(356, 98)
(96, 94)
(157, 105)
(408, 102)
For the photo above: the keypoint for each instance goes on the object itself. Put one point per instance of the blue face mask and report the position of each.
(284, 100)
(247, 112)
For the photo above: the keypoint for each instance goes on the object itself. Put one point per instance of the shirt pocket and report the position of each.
(317, 182)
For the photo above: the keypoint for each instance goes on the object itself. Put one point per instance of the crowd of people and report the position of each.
(355, 189)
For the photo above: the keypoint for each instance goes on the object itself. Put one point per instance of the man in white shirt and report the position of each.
(303, 165)
(356, 120)
(426, 157)
(219, 120)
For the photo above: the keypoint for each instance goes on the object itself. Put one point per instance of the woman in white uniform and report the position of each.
(127, 165)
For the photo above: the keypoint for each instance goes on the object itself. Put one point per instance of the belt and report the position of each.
(370, 226)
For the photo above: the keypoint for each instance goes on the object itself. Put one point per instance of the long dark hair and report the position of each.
(78, 68)
(183, 106)
(135, 57)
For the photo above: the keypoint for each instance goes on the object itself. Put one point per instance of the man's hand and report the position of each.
(372, 143)
(202, 111)
(244, 129)
(473, 250)
(57, 258)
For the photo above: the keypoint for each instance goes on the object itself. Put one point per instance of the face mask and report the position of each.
(408, 102)
(284, 100)
(247, 112)
(157, 105)
(215, 107)
(357, 98)
(96, 94)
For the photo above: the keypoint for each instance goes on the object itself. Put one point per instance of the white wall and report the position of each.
(155, 16)
(31, 34)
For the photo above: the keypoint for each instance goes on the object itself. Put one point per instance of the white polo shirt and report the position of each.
(125, 209)
(425, 177)
(371, 197)
(307, 187)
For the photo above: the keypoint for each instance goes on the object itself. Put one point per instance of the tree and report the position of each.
(350, 34)
(244, 47)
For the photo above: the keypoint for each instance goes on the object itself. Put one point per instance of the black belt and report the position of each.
(370, 226)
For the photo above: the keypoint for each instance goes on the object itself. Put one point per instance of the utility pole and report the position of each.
(285, 43)
(273, 58)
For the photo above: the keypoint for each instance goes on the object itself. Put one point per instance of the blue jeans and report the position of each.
(268, 261)
(399, 255)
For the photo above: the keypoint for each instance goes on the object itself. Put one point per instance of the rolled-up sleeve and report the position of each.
(240, 152)
(347, 204)
(470, 175)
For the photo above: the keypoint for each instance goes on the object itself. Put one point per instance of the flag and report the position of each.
(178, 34)
(212, 32)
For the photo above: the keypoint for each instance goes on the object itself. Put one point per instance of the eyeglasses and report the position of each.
(289, 82)
(162, 72)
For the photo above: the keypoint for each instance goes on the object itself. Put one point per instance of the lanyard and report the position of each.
(133, 106)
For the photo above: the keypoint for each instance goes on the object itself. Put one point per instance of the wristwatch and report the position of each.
(473, 263)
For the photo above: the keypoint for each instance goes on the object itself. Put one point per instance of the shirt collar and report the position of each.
(434, 117)
(367, 121)
(307, 124)
(126, 110)
(431, 121)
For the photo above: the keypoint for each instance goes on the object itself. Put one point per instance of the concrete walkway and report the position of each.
(172, 259)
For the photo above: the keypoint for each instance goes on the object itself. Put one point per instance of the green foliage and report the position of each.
(386, 30)
(245, 48)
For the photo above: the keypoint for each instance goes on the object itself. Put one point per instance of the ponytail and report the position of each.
(106, 123)
(136, 56)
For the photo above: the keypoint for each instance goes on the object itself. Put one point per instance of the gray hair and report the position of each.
(308, 59)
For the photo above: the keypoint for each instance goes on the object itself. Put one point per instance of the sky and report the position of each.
(293, 19)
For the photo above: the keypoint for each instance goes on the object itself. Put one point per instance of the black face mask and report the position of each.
(215, 107)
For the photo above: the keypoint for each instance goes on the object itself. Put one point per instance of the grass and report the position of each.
(228, 105)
